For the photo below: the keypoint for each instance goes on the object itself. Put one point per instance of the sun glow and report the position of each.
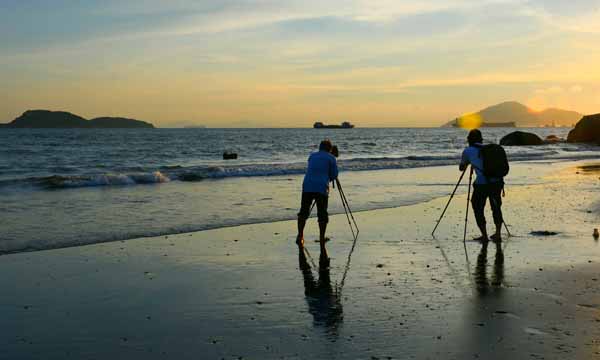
(469, 121)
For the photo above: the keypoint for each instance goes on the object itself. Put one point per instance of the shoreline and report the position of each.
(433, 177)
(245, 291)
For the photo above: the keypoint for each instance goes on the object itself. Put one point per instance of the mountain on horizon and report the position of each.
(523, 116)
(46, 119)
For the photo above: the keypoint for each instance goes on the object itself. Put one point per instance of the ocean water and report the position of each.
(79, 186)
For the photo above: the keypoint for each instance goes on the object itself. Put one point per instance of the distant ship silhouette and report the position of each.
(344, 125)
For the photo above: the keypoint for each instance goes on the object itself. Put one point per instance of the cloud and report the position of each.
(581, 16)
(576, 89)
(550, 90)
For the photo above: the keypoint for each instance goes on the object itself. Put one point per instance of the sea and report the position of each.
(70, 187)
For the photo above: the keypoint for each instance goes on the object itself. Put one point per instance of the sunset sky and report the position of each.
(224, 63)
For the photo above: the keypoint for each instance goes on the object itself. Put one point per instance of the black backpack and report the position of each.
(495, 162)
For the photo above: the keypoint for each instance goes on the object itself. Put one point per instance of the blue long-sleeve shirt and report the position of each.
(322, 168)
(472, 156)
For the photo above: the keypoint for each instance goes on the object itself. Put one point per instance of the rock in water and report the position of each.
(229, 155)
(587, 130)
(521, 138)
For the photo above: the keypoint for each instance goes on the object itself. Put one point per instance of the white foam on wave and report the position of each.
(199, 173)
(106, 180)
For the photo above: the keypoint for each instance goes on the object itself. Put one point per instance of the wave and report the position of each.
(204, 172)
(76, 181)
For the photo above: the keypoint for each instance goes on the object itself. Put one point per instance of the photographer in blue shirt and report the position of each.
(484, 187)
(322, 169)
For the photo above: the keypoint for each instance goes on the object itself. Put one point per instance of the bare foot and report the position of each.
(482, 239)
(496, 238)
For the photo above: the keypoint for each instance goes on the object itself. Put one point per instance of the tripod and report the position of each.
(347, 210)
(346, 206)
(467, 211)
(448, 203)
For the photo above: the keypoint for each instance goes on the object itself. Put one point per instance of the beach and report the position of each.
(247, 292)
(167, 169)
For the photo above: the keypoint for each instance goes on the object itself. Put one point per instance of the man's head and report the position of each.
(325, 145)
(474, 137)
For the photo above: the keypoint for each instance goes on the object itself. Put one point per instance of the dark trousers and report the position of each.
(321, 200)
(481, 192)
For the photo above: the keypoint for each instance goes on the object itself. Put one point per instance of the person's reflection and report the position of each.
(481, 279)
(324, 303)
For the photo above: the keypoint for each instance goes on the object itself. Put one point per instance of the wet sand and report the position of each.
(247, 292)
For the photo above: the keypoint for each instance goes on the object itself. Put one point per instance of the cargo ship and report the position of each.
(344, 125)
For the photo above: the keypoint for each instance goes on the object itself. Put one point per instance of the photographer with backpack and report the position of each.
(491, 165)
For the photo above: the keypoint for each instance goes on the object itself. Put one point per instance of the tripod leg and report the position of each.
(347, 205)
(448, 203)
(468, 203)
(506, 227)
(345, 208)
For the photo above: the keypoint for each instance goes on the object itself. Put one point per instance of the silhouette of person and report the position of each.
(484, 187)
(322, 169)
(324, 302)
(481, 279)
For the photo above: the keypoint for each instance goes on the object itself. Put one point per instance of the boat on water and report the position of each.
(344, 125)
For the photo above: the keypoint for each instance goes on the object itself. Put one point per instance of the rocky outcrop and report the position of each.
(521, 138)
(228, 155)
(587, 130)
(46, 119)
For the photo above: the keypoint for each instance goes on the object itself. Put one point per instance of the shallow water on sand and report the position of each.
(63, 217)
(247, 292)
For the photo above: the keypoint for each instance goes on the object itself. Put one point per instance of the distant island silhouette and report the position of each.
(46, 119)
(514, 114)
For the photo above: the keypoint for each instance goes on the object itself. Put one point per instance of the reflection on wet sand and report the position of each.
(482, 283)
(324, 302)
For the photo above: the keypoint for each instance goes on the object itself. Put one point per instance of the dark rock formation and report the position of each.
(520, 138)
(229, 155)
(587, 130)
(45, 119)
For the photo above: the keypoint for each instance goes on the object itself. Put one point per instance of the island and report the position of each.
(514, 114)
(344, 125)
(46, 119)
(487, 124)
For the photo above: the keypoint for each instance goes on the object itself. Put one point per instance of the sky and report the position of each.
(263, 63)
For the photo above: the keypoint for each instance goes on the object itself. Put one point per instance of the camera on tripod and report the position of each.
(334, 151)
